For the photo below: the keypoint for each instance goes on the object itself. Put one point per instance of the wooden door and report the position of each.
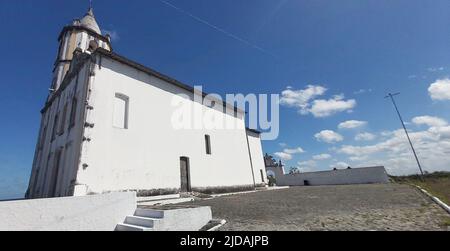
(185, 176)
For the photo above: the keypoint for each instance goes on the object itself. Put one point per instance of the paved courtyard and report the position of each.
(352, 207)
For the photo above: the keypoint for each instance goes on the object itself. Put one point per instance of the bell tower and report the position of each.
(83, 34)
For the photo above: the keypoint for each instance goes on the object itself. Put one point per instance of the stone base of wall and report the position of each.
(156, 192)
(204, 190)
(223, 189)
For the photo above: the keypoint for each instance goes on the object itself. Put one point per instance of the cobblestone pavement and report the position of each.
(351, 207)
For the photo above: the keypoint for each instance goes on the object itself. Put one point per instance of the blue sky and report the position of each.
(332, 61)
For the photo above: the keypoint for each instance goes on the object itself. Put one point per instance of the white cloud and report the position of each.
(440, 90)
(307, 166)
(113, 34)
(294, 151)
(321, 156)
(442, 132)
(365, 136)
(386, 133)
(282, 144)
(394, 152)
(358, 158)
(300, 98)
(304, 101)
(429, 121)
(435, 69)
(307, 163)
(361, 91)
(323, 108)
(359, 150)
(328, 136)
(350, 124)
(283, 155)
(286, 154)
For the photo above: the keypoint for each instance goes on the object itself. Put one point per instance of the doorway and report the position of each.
(55, 174)
(185, 175)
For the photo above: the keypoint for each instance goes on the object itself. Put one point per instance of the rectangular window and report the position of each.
(208, 144)
(54, 174)
(55, 126)
(120, 116)
(43, 136)
(43, 184)
(63, 120)
(35, 180)
(262, 175)
(73, 113)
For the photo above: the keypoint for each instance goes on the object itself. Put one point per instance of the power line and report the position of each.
(391, 96)
(217, 28)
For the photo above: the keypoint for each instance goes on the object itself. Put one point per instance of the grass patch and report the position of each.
(437, 183)
(445, 221)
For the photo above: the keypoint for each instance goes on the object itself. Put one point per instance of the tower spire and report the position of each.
(91, 9)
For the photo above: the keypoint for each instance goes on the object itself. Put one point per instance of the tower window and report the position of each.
(120, 113)
(55, 126)
(43, 136)
(208, 144)
(73, 113)
(63, 120)
(93, 45)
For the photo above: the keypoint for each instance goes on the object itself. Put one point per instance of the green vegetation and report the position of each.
(437, 183)
(445, 222)
(272, 181)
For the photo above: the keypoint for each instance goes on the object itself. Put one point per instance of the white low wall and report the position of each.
(366, 175)
(86, 213)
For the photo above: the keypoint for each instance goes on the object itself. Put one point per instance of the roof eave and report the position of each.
(124, 60)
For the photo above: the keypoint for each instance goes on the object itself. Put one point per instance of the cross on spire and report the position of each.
(91, 10)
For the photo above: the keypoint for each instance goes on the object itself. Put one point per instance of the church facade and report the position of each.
(107, 125)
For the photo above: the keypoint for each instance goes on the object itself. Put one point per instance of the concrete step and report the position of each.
(149, 213)
(128, 227)
(167, 218)
(158, 197)
(141, 221)
(164, 201)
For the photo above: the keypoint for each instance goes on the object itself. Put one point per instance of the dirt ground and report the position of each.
(350, 207)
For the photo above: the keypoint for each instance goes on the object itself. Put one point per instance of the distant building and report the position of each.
(363, 175)
(274, 168)
(106, 126)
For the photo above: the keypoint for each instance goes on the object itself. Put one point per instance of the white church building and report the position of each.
(107, 126)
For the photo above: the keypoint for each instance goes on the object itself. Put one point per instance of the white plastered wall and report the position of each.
(147, 154)
(257, 156)
(68, 142)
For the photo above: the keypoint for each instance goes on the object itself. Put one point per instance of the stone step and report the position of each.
(128, 227)
(149, 213)
(164, 201)
(141, 221)
(158, 197)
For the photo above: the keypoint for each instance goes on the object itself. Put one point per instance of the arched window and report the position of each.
(120, 113)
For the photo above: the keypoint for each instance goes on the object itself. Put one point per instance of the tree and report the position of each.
(272, 181)
(294, 170)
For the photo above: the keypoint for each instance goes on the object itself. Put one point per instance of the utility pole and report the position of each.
(391, 96)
